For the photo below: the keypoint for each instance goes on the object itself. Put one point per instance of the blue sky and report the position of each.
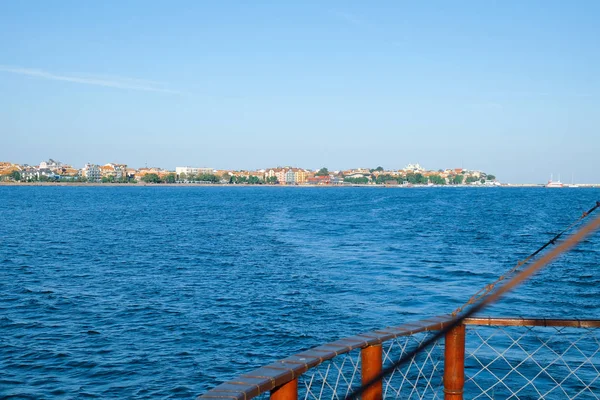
(508, 87)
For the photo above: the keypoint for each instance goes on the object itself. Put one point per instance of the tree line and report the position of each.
(412, 178)
(416, 179)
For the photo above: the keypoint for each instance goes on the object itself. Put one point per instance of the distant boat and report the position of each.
(554, 184)
(572, 185)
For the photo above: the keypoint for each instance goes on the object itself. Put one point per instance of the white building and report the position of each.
(50, 164)
(193, 171)
(290, 177)
(118, 171)
(414, 168)
(29, 173)
(92, 172)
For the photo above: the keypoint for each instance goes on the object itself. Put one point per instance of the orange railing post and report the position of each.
(287, 391)
(370, 358)
(454, 363)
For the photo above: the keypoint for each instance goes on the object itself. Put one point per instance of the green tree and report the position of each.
(272, 180)
(182, 176)
(421, 179)
(383, 178)
(254, 180)
(151, 178)
(437, 180)
(471, 179)
(170, 178)
(416, 179)
(322, 172)
(457, 179)
(491, 177)
(206, 178)
(16, 176)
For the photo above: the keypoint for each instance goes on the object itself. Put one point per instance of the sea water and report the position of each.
(146, 292)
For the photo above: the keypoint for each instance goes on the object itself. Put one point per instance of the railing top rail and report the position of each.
(270, 376)
(282, 371)
(558, 322)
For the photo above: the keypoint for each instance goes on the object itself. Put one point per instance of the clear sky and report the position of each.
(508, 87)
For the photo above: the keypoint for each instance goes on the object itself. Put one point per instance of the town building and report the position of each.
(358, 175)
(92, 172)
(300, 176)
(66, 172)
(280, 175)
(290, 177)
(260, 174)
(117, 172)
(29, 173)
(51, 165)
(269, 173)
(47, 173)
(161, 173)
(319, 180)
(414, 168)
(9, 171)
(193, 171)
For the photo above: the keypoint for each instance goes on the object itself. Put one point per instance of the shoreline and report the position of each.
(85, 184)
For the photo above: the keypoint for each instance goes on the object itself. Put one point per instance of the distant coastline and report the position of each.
(412, 174)
(141, 184)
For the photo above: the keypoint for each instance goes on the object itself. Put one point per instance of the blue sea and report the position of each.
(164, 292)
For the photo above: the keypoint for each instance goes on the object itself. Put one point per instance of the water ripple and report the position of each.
(165, 292)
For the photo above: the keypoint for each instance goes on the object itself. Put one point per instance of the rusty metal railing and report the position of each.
(281, 379)
(333, 369)
(532, 358)
(485, 358)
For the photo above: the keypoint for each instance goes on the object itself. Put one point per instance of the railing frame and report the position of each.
(371, 364)
(549, 322)
(275, 377)
(454, 363)
(287, 391)
(281, 377)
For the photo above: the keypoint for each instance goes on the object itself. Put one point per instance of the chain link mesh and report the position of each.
(501, 362)
(421, 378)
(520, 362)
(333, 379)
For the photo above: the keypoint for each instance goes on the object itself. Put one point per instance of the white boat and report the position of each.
(554, 184)
(573, 185)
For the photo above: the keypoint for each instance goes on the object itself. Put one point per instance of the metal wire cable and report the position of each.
(488, 288)
(483, 302)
